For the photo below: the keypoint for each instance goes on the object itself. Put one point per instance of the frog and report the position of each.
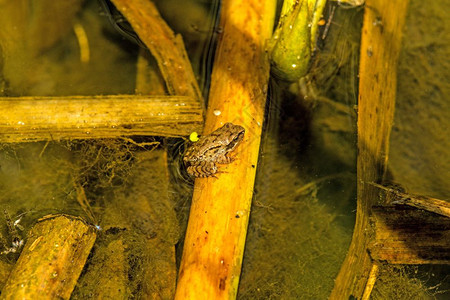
(201, 158)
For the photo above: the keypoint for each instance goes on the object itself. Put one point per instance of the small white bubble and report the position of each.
(217, 112)
(20, 123)
(240, 213)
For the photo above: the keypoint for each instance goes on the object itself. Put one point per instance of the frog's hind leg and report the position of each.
(225, 159)
(203, 169)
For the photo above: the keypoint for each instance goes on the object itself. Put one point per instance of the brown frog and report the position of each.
(202, 156)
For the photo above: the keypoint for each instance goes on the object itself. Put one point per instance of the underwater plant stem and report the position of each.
(52, 259)
(217, 228)
(294, 39)
(149, 80)
(167, 48)
(371, 282)
(380, 48)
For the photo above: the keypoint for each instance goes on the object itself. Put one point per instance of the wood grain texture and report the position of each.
(86, 117)
(437, 206)
(380, 48)
(405, 235)
(397, 195)
(215, 238)
(52, 259)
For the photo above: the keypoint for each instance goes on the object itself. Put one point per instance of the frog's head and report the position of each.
(235, 134)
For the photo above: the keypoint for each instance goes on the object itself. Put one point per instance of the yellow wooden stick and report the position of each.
(218, 220)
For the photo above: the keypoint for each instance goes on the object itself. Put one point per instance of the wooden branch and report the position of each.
(167, 48)
(399, 197)
(215, 237)
(434, 205)
(52, 259)
(106, 276)
(85, 117)
(405, 235)
(380, 47)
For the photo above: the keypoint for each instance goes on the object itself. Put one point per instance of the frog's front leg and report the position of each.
(202, 169)
(224, 159)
